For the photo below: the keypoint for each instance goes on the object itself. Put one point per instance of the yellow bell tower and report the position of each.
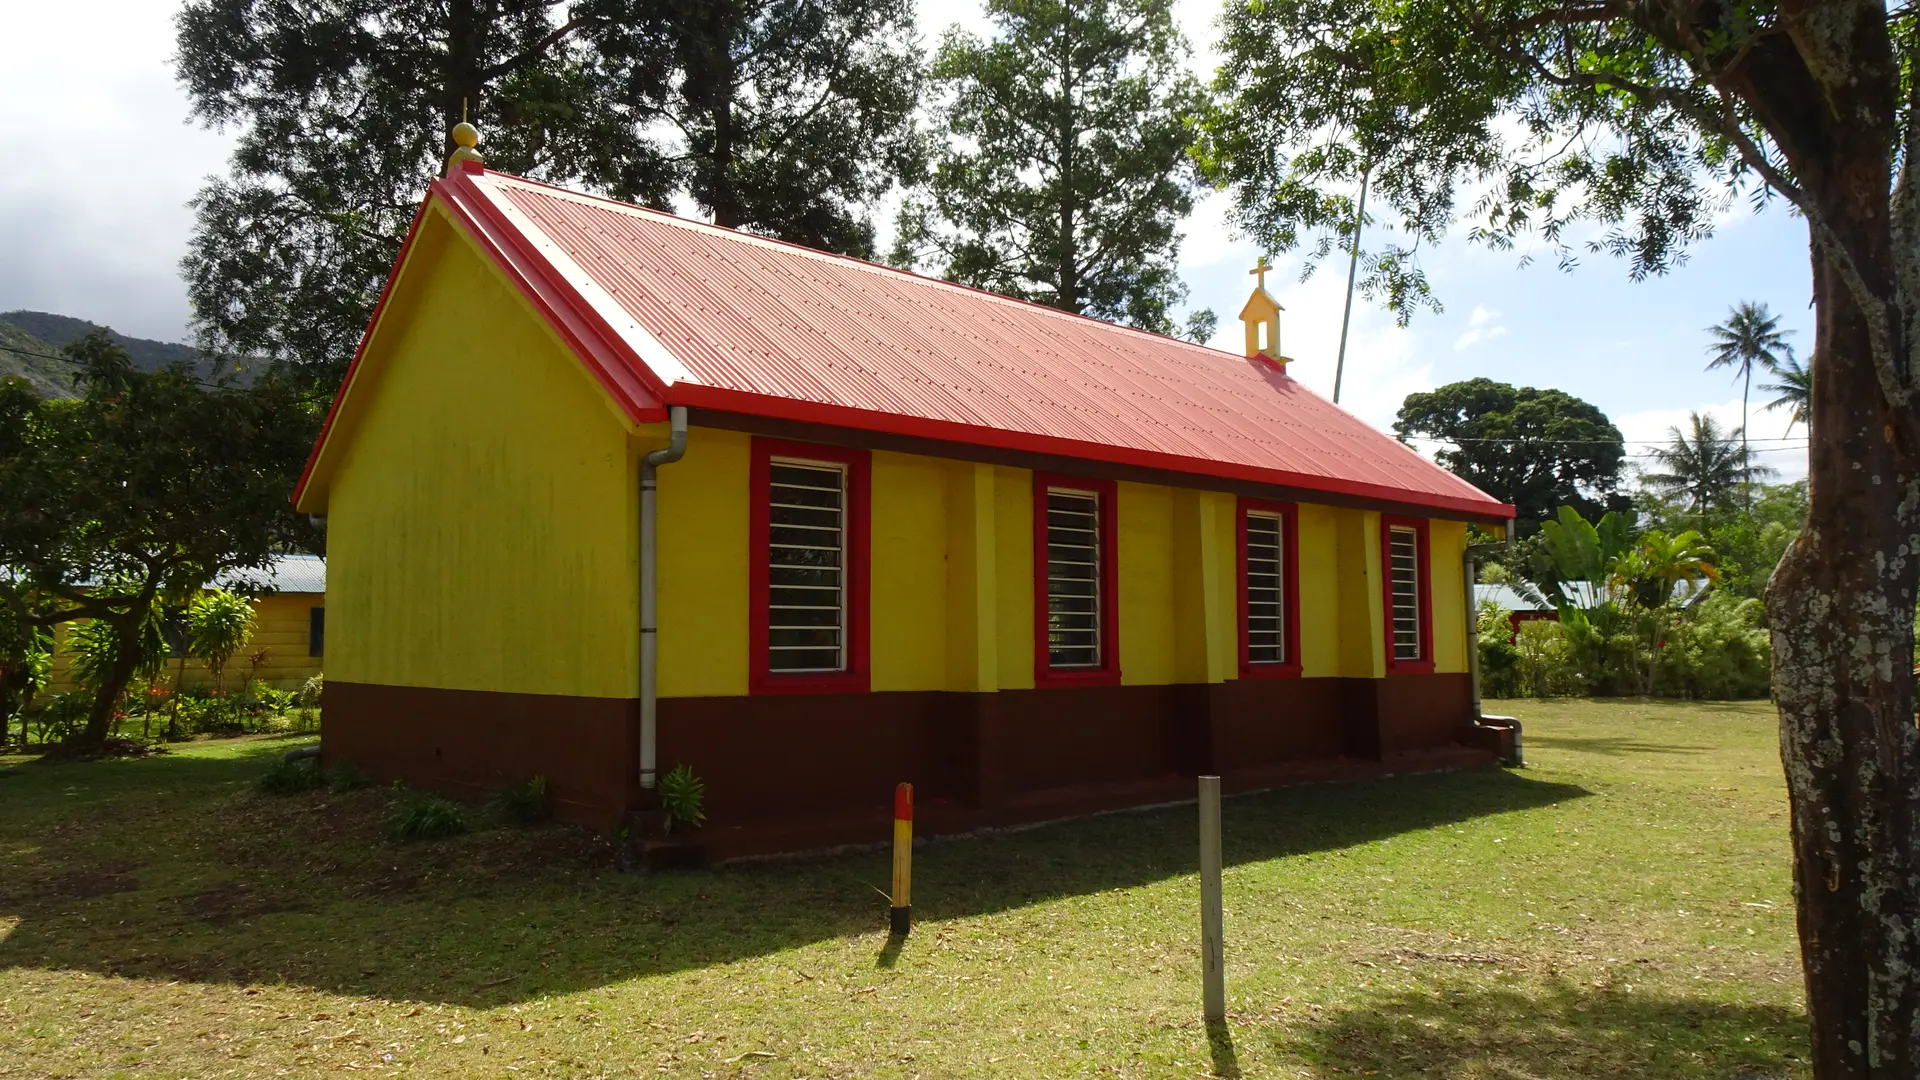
(1261, 316)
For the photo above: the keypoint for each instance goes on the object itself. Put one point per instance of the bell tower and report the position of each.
(1261, 316)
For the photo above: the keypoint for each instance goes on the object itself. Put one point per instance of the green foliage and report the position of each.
(1749, 338)
(139, 493)
(346, 776)
(219, 624)
(524, 802)
(310, 692)
(682, 796)
(1499, 655)
(1706, 466)
(289, 777)
(419, 816)
(26, 663)
(1719, 651)
(97, 645)
(1536, 449)
(1793, 391)
(1066, 174)
(783, 119)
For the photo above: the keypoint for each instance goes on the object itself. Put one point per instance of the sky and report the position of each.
(102, 159)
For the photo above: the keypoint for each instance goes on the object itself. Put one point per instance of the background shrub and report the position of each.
(288, 777)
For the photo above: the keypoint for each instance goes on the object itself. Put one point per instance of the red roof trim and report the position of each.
(736, 401)
(607, 355)
(359, 353)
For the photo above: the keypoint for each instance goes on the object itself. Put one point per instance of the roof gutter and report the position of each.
(675, 449)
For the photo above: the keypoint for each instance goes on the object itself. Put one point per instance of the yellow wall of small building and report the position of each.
(280, 638)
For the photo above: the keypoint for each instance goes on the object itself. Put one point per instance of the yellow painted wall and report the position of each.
(1013, 554)
(1320, 619)
(952, 578)
(973, 578)
(1447, 545)
(703, 536)
(279, 640)
(909, 576)
(1145, 546)
(482, 528)
(1361, 648)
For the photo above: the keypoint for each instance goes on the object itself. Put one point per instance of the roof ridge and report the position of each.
(868, 265)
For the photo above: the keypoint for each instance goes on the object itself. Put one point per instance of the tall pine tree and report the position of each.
(1068, 170)
(793, 116)
(783, 118)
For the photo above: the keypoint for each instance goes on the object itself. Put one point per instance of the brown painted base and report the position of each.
(786, 773)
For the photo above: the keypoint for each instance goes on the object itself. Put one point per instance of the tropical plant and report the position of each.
(1066, 174)
(289, 777)
(1750, 337)
(1704, 464)
(524, 802)
(26, 662)
(419, 816)
(97, 646)
(219, 625)
(682, 796)
(1794, 390)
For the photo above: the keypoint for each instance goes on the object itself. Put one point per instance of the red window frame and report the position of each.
(1289, 515)
(856, 679)
(1045, 675)
(1423, 593)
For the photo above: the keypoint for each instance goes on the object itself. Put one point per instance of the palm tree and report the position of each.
(1703, 463)
(1795, 389)
(1750, 337)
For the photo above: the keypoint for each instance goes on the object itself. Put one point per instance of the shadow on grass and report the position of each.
(1560, 1030)
(1226, 1063)
(177, 869)
(1612, 746)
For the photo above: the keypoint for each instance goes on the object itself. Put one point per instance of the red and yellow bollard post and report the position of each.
(903, 860)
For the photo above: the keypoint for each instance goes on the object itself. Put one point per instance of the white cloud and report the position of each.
(1480, 327)
(1772, 444)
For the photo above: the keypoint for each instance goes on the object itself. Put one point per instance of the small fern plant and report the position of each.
(681, 796)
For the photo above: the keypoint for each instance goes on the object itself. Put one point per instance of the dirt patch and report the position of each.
(88, 884)
(234, 902)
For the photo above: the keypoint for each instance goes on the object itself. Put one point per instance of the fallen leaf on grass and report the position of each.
(750, 1054)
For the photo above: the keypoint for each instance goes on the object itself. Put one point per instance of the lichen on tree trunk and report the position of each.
(1842, 607)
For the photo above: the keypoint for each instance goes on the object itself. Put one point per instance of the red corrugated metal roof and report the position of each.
(709, 317)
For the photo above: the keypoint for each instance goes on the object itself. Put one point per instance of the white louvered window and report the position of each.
(807, 575)
(1403, 559)
(1073, 580)
(1266, 590)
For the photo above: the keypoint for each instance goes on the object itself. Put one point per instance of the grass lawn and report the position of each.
(1620, 908)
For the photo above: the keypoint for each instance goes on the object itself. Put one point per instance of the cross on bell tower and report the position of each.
(1261, 316)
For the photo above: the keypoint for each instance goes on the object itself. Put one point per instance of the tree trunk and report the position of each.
(106, 700)
(1842, 608)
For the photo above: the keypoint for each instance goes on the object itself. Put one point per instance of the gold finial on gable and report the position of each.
(465, 138)
(1261, 315)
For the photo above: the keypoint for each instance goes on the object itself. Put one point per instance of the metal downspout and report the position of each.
(649, 589)
(1469, 572)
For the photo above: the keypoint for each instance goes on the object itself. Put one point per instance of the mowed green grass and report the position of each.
(1619, 908)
